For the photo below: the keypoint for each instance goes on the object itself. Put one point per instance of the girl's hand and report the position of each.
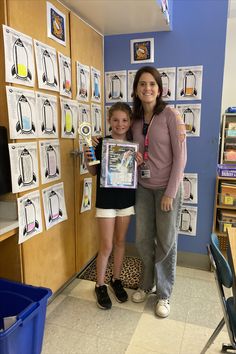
(87, 154)
(139, 158)
(166, 203)
(95, 140)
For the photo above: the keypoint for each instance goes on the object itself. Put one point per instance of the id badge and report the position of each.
(145, 171)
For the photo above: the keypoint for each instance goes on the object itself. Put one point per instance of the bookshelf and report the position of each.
(228, 139)
(224, 208)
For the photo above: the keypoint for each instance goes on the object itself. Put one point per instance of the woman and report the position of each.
(160, 132)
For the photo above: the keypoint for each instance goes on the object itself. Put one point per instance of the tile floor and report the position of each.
(75, 325)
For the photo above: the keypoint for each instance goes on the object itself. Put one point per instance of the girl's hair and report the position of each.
(124, 107)
(137, 104)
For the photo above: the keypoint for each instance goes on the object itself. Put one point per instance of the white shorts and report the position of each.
(112, 213)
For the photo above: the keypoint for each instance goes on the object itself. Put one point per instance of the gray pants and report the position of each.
(156, 239)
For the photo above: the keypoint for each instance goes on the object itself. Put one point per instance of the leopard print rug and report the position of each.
(130, 274)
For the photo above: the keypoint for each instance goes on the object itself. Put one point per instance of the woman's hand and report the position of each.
(139, 158)
(166, 203)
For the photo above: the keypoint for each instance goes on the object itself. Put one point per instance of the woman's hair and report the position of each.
(137, 104)
(124, 107)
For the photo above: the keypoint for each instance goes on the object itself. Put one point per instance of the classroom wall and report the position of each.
(198, 38)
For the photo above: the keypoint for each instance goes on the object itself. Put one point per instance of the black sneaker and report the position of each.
(117, 288)
(103, 299)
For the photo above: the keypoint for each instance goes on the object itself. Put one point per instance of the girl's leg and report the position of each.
(106, 231)
(121, 227)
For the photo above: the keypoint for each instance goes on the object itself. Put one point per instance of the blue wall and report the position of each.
(197, 38)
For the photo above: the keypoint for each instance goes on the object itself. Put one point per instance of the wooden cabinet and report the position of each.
(225, 208)
(228, 139)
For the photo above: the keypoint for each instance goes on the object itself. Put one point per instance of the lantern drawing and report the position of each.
(51, 160)
(20, 57)
(188, 117)
(54, 206)
(115, 88)
(165, 85)
(68, 127)
(24, 123)
(187, 189)
(189, 88)
(26, 167)
(48, 69)
(96, 86)
(48, 121)
(30, 218)
(185, 221)
(83, 84)
(67, 77)
(97, 127)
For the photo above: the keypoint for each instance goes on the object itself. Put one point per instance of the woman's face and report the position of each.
(147, 89)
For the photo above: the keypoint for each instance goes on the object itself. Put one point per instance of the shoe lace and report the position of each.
(164, 302)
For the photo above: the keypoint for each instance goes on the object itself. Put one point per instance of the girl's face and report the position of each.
(120, 123)
(147, 89)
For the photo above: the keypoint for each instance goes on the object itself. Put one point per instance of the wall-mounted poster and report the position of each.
(191, 114)
(83, 166)
(189, 82)
(87, 195)
(21, 113)
(50, 160)
(69, 113)
(29, 216)
(65, 75)
(47, 117)
(188, 220)
(46, 63)
(131, 76)
(83, 82)
(190, 183)
(96, 85)
(54, 205)
(24, 166)
(142, 50)
(96, 118)
(84, 116)
(168, 76)
(107, 125)
(115, 84)
(19, 59)
(56, 24)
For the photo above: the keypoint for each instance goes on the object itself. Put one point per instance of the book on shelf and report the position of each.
(228, 189)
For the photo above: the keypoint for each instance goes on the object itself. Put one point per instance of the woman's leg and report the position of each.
(106, 231)
(121, 227)
(145, 235)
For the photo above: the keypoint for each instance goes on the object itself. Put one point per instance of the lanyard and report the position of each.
(146, 140)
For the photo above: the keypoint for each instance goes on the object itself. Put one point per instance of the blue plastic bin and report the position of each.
(28, 303)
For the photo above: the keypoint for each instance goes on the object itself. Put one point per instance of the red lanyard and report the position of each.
(146, 141)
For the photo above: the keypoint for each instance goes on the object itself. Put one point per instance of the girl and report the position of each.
(114, 207)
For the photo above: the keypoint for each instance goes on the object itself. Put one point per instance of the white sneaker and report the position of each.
(163, 308)
(140, 295)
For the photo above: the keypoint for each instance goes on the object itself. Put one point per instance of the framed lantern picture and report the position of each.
(142, 50)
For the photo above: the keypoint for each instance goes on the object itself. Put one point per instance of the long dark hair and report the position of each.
(124, 107)
(137, 104)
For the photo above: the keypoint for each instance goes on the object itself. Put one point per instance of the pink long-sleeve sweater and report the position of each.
(167, 150)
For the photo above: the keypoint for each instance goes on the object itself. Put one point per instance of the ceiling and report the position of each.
(120, 16)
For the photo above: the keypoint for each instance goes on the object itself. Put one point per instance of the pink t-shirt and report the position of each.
(167, 152)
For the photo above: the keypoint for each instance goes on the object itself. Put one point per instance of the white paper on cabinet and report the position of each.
(19, 60)
(47, 70)
(24, 166)
(21, 106)
(29, 216)
(96, 118)
(47, 116)
(54, 205)
(50, 160)
(96, 85)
